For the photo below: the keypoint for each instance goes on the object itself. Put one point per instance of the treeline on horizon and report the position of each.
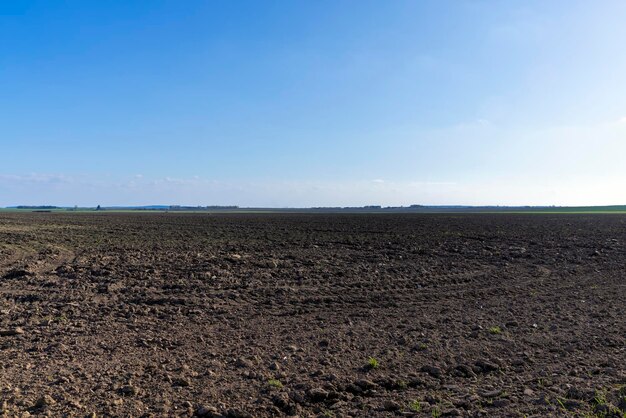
(329, 209)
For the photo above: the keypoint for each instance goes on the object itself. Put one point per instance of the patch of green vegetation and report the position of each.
(422, 346)
(600, 398)
(436, 412)
(275, 383)
(51, 319)
(415, 406)
(600, 405)
(372, 363)
(495, 330)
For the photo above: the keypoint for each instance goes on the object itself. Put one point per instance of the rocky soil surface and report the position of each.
(162, 314)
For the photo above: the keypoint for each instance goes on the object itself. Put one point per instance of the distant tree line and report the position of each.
(177, 207)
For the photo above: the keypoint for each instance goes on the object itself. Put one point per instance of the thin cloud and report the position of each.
(35, 178)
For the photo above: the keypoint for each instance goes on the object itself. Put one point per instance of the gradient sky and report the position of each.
(312, 103)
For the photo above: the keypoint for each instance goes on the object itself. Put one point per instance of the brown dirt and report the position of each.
(266, 315)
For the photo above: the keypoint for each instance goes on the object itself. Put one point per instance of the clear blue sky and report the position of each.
(306, 103)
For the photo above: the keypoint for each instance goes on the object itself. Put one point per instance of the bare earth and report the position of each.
(156, 315)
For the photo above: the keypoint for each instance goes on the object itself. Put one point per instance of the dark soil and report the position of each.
(155, 315)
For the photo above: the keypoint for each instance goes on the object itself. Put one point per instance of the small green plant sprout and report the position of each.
(495, 330)
(600, 398)
(372, 363)
(415, 406)
(275, 383)
(436, 412)
(422, 346)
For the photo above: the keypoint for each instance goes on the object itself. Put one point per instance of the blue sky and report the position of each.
(312, 103)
